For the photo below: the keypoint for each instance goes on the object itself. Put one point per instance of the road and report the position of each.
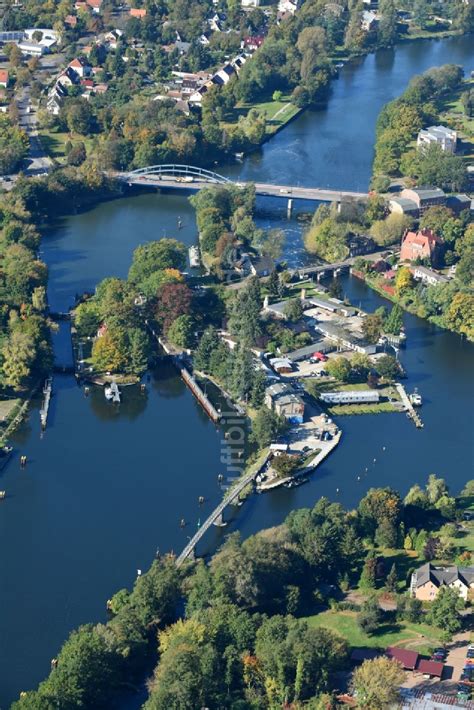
(285, 191)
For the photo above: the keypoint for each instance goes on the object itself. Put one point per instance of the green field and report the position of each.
(54, 143)
(419, 637)
(453, 114)
(277, 113)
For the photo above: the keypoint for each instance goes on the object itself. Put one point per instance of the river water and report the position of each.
(104, 488)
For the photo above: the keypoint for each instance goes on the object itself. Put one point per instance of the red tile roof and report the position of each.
(430, 668)
(407, 658)
(3, 76)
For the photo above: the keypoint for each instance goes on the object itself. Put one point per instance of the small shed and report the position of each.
(432, 668)
(408, 659)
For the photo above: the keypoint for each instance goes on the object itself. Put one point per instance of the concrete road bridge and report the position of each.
(192, 179)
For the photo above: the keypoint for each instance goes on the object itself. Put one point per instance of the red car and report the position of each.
(321, 357)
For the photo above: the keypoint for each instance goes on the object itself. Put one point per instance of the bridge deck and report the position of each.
(215, 515)
(283, 191)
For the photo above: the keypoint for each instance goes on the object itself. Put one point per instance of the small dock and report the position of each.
(47, 392)
(408, 406)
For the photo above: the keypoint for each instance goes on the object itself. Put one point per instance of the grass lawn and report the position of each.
(453, 114)
(54, 142)
(7, 406)
(415, 636)
(277, 113)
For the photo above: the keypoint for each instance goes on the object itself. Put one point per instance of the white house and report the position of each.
(438, 135)
(288, 6)
(250, 3)
(428, 276)
(369, 21)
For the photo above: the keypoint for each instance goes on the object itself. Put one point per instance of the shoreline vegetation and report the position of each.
(338, 572)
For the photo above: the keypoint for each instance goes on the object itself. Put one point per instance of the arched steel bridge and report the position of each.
(172, 170)
(191, 178)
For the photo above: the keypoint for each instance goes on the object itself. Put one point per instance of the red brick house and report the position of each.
(424, 244)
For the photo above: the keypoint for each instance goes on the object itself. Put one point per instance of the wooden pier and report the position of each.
(47, 391)
(408, 406)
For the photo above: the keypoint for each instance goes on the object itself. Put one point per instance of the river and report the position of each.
(104, 488)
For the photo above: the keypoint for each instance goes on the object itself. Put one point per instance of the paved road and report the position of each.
(285, 191)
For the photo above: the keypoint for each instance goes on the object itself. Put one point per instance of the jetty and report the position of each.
(200, 395)
(47, 392)
(408, 406)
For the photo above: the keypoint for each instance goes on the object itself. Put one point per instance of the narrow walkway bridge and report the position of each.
(215, 517)
(193, 179)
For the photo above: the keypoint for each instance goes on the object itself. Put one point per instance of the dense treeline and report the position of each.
(398, 125)
(242, 641)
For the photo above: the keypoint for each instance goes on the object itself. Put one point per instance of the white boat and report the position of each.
(415, 398)
(112, 392)
(194, 258)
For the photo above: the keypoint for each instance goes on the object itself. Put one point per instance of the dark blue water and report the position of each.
(105, 488)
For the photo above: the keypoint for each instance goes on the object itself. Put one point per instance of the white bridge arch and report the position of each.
(174, 170)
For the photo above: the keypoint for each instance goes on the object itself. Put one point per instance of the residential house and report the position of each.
(281, 365)
(408, 659)
(423, 244)
(138, 12)
(4, 78)
(94, 5)
(68, 78)
(281, 398)
(81, 67)
(261, 266)
(369, 21)
(424, 197)
(342, 336)
(445, 137)
(223, 76)
(250, 3)
(428, 580)
(253, 43)
(428, 276)
(359, 245)
(112, 38)
(288, 6)
(70, 20)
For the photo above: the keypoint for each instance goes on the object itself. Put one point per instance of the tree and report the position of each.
(207, 345)
(266, 426)
(107, 355)
(460, 314)
(370, 615)
(339, 368)
(181, 331)
(391, 583)
(444, 611)
(18, 356)
(328, 239)
(403, 280)
(285, 465)
(173, 300)
(156, 256)
(394, 321)
(435, 488)
(377, 683)
(390, 230)
(79, 116)
(293, 310)
(372, 327)
(388, 367)
(368, 576)
(244, 321)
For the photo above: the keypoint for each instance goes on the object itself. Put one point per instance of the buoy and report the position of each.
(375, 460)
(358, 478)
(383, 448)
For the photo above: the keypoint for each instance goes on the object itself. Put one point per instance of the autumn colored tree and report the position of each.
(173, 300)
